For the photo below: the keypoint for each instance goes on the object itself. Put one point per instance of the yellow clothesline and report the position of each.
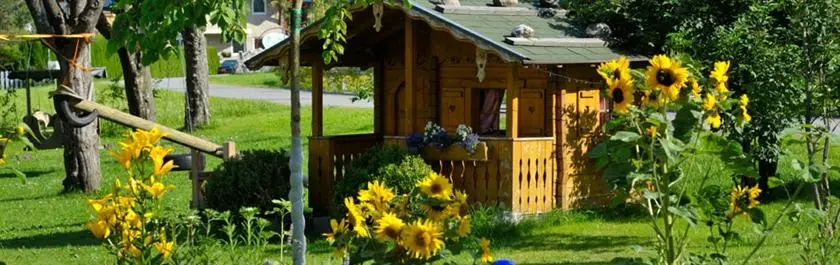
(9, 37)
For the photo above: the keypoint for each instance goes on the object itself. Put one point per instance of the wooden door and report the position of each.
(580, 185)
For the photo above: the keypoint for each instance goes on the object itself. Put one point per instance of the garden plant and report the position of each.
(420, 227)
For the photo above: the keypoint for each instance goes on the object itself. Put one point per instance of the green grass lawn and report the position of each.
(41, 225)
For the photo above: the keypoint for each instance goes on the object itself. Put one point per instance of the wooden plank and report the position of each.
(557, 42)
(318, 98)
(539, 162)
(378, 98)
(469, 180)
(408, 103)
(513, 86)
(479, 180)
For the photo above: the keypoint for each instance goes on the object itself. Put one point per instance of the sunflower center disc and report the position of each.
(436, 188)
(665, 77)
(618, 95)
(617, 74)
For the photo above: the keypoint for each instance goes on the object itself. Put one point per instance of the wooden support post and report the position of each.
(229, 151)
(197, 179)
(513, 88)
(318, 98)
(408, 104)
(378, 96)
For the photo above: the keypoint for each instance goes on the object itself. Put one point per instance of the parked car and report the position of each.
(229, 66)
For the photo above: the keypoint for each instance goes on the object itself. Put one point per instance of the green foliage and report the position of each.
(392, 165)
(334, 27)
(154, 25)
(254, 180)
(166, 66)
(242, 242)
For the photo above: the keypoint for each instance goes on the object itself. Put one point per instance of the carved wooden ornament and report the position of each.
(480, 63)
(378, 8)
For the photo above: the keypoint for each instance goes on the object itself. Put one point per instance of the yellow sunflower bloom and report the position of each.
(377, 194)
(157, 154)
(720, 74)
(744, 100)
(337, 230)
(436, 186)
(709, 102)
(621, 93)
(743, 197)
(485, 251)
(461, 197)
(714, 119)
(422, 239)
(614, 71)
(437, 212)
(463, 227)
(357, 220)
(652, 99)
(667, 75)
(389, 227)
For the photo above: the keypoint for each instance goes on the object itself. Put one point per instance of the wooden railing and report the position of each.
(519, 174)
(328, 158)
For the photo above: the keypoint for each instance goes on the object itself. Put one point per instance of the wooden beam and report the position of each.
(318, 98)
(513, 89)
(378, 97)
(135, 122)
(408, 94)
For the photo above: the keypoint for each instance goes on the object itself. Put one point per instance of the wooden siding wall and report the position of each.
(578, 122)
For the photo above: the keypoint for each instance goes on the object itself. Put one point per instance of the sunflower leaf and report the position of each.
(626, 136)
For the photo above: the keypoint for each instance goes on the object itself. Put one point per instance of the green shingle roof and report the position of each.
(488, 31)
(493, 28)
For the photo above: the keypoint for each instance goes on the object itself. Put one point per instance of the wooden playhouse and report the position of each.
(535, 101)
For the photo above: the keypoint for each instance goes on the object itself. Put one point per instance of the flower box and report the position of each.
(456, 152)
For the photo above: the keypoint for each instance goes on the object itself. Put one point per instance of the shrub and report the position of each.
(392, 165)
(255, 179)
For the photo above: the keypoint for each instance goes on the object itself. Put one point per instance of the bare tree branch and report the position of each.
(39, 16)
(103, 26)
(56, 17)
(87, 18)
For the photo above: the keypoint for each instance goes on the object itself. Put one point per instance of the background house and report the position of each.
(263, 22)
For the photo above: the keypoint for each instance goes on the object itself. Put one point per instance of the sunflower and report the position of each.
(615, 71)
(337, 230)
(667, 75)
(741, 197)
(463, 227)
(377, 194)
(744, 100)
(709, 102)
(438, 212)
(719, 74)
(357, 220)
(652, 99)
(389, 227)
(485, 251)
(621, 93)
(422, 239)
(436, 186)
(714, 119)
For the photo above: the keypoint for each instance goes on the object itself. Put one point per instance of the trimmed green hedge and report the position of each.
(166, 67)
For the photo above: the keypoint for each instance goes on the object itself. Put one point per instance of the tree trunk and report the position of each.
(81, 150)
(296, 157)
(195, 55)
(138, 85)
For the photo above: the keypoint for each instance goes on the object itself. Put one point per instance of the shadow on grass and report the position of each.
(616, 261)
(573, 242)
(28, 198)
(75, 238)
(29, 174)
